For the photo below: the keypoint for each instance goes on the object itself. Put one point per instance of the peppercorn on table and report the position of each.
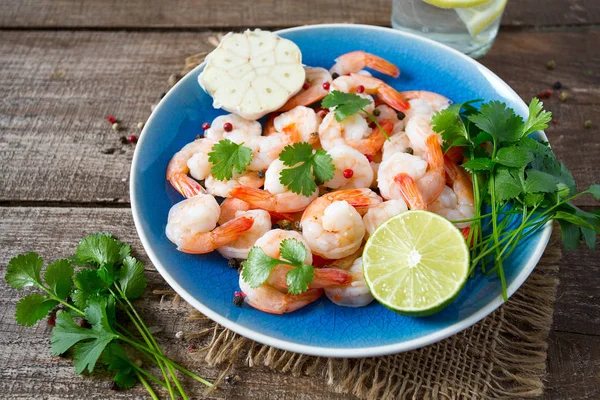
(77, 80)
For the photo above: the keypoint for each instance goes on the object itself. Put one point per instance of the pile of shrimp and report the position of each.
(375, 179)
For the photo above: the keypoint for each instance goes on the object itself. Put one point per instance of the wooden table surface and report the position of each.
(66, 64)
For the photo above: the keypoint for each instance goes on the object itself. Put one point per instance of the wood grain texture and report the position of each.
(27, 369)
(43, 230)
(57, 88)
(182, 14)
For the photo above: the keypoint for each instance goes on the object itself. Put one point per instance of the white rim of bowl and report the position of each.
(347, 352)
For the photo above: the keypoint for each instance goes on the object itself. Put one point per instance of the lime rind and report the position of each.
(438, 278)
(456, 3)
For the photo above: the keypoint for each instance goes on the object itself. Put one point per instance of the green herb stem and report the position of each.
(147, 386)
(372, 118)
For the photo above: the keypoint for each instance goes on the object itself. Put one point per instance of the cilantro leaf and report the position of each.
(59, 276)
(449, 124)
(576, 220)
(540, 182)
(499, 121)
(116, 359)
(99, 249)
(88, 285)
(32, 308)
(227, 157)
(306, 167)
(68, 333)
(257, 267)
(132, 278)
(479, 164)
(589, 236)
(538, 118)
(24, 270)
(293, 250)
(299, 278)
(594, 190)
(513, 156)
(346, 104)
(507, 184)
(571, 235)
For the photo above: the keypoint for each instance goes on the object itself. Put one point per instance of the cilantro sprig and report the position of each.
(347, 104)
(306, 167)
(516, 177)
(227, 157)
(258, 266)
(109, 280)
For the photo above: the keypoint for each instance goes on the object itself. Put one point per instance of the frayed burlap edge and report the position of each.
(503, 356)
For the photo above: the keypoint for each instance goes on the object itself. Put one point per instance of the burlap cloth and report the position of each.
(503, 356)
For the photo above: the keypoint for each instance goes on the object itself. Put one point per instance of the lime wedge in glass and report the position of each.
(416, 263)
(455, 3)
(480, 17)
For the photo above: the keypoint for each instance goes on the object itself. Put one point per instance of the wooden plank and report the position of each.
(26, 367)
(573, 367)
(231, 14)
(57, 88)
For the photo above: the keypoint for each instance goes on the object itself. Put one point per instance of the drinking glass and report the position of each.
(470, 28)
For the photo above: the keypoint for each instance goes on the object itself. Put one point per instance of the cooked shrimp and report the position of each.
(192, 225)
(186, 161)
(240, 247)
(370, 85)
(399, 143)
(241, 128)
(355, 132)
(268, 299)
(352, 169)
(275, 196)
(270, 243)
(300, 124)
(418, 129)
(387, 112)
(230, 207)
(265, 149)
(354, 294)
(356, 60)
(456, 203)
(430, 180)
(332, 226)
(425, 103)
(393, 165)
(224, 188)
(380, 213)
(315, 78)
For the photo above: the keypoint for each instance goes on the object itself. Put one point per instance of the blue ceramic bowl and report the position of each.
(322, 328)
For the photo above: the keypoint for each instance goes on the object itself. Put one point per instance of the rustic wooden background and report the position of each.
(66, 64)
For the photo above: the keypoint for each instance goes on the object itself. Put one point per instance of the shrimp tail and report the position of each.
(358, 198)
(411, 193)
(435, 157)
(256, 197)
(381, 65)
(185, 185)
(220, 236)
(465, 232)
(393, 98)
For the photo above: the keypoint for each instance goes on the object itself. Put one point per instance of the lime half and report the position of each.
(416, 263)
(478, 18)
(455, 3)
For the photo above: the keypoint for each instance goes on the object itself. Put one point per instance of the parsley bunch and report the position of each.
(109, 280)
(258, 266)
(516, 178)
